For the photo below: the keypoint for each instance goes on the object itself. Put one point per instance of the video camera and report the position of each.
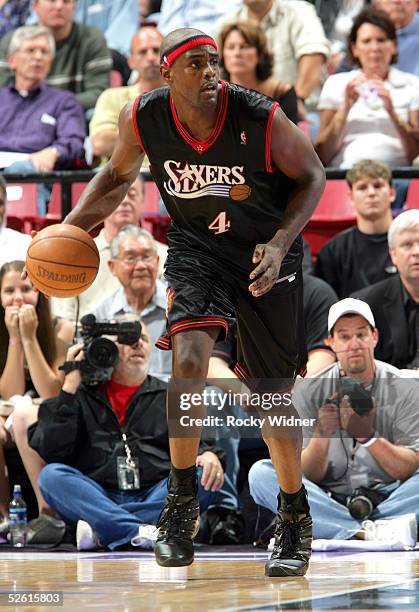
(101, 354)
(360, 399)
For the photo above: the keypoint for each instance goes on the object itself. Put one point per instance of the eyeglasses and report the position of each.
(132, 260)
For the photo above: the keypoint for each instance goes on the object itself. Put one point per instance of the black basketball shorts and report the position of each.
(270, 329)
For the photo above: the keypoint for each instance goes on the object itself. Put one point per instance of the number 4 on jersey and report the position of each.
(220, 224)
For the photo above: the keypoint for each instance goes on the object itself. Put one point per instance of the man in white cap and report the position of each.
(360, 458)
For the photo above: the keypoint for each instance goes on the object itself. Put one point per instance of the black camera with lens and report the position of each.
(360, 399)
(101, 354)
(362, 502)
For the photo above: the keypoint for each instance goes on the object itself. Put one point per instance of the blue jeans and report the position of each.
(44, 190)
(114, 515)
(331, 520)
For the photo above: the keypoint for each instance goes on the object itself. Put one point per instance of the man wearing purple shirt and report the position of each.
(44, 123)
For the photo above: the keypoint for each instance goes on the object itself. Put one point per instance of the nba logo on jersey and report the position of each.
(243, 140)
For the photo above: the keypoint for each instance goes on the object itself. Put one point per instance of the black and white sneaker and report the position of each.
(178, 524)
(292, 547)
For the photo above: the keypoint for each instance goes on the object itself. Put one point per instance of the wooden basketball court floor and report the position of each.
(227, 581)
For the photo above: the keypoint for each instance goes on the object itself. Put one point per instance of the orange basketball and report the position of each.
(240, 192)
(62, 260)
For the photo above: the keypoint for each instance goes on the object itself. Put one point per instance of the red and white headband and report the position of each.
(194, 41)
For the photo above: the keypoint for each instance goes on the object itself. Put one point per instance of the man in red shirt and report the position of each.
(108, 450)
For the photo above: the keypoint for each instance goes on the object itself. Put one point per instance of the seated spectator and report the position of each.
(200, 14)
(395, 301)
(358, 256)
(32, 343)
(78, 435)
(246, 61)
(13, 244)
(82, 62)
(374, 108)
(105, 283)
(32, 346)
(145, 59)
(375, 454)
(405, 17)
(297, 40)
(41, 124)
(13, 13)
(134, 261)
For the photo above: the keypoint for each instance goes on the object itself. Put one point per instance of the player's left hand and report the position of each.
(269, 257)
(213, 473)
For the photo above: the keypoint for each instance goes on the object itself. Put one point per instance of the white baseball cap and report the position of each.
(349, 306)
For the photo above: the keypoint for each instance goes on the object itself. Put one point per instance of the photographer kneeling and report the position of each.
(108, 449)
(361, 461)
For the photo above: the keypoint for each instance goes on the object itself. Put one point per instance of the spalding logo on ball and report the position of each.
(62, 260)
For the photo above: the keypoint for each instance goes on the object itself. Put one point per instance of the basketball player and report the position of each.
(240, 182)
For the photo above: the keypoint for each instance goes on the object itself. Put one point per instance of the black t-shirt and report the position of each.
(224, 195)
(353, 260)
(318, 298)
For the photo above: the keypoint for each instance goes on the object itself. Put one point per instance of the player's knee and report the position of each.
(190, 363)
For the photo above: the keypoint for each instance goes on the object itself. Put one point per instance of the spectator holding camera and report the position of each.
(107, 447)
(374, 108)
(365, 441)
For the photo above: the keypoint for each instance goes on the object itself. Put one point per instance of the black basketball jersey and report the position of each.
(224, 195)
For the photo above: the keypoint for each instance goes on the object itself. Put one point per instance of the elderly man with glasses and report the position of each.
(134, 262)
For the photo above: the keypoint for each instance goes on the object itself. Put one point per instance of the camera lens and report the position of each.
(360, 507)
(102, 353)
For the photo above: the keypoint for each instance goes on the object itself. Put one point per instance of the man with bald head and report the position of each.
(144, 58)
(240, 182)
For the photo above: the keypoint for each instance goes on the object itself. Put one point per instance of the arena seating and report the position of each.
(22, 209)
(333, 214)
(412, 199)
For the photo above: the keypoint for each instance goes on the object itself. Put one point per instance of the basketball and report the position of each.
(62, 260)
(240, 192)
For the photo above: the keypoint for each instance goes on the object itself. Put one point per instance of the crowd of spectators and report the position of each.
(348, 74)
